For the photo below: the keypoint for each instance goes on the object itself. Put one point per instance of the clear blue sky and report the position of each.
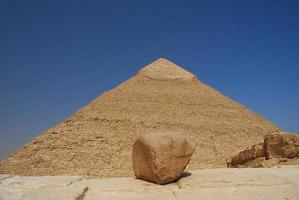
(58, 55)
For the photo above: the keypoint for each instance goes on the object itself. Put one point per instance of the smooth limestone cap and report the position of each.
(163, 69)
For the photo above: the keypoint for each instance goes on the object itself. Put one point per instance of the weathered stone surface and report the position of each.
(281, 146)
(209, 184)
(216, 178)
(258, 162)
(250, 154)
(45, 187)
(161, 157)
(278, 148)
(245, 184)
(122, 184)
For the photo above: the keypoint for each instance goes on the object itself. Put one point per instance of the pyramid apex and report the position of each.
(162, 60)
(163, 69)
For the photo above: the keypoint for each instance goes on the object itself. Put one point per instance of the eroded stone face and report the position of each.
(161, 157)
(256, 151)
(278, 149)
(281, 146)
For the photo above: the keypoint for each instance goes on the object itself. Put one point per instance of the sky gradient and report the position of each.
(56, 56)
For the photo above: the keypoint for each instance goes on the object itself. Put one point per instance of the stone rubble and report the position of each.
(278, 148)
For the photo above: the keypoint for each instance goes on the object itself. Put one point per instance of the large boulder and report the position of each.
(161, 157)
(281, 146)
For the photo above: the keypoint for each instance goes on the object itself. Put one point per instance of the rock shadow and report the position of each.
(184, 175)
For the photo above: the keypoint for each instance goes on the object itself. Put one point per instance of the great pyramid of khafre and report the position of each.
(97, 139)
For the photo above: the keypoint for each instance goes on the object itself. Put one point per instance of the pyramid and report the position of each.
(97, 140)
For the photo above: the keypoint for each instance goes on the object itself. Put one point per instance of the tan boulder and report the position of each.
(281, 146)
(161, 157)
(250, 154)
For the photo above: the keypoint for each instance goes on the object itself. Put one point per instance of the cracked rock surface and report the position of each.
(161, 157)
(281, 182)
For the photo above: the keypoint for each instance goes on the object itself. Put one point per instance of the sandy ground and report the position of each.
(248, 183)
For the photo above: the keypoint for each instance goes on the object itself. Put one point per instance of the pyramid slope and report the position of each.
(97, 140)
